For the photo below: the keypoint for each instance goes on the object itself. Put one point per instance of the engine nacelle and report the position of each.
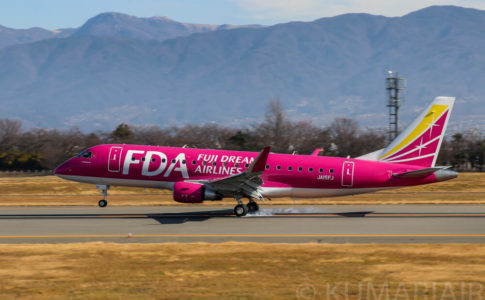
(188, 192)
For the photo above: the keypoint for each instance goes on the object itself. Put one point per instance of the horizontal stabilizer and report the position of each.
(419, 173)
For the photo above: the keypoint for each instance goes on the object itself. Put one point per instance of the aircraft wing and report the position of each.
(243, 184)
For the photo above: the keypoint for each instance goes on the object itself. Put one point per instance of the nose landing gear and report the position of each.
(104, 189)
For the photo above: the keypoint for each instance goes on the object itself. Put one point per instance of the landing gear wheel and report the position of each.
(241, 210)
(253, 206)
(102, 203)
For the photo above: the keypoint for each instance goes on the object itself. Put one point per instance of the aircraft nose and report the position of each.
(63, 169)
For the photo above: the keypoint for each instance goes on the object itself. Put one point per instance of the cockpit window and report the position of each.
(85, 154)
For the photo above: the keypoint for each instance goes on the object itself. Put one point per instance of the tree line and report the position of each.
(44, 149)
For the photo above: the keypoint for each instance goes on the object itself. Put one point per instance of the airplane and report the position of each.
(198, 175)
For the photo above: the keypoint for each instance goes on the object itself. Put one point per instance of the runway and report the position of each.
(284, 224)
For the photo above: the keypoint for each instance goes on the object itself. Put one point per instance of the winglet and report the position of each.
(317, 151)
(260, 162)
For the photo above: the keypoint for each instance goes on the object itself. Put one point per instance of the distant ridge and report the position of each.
(114, 24)
(122, 25)
(9, 36)
(117, 68)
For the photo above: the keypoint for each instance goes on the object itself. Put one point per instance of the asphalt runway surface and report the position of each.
(282, 224)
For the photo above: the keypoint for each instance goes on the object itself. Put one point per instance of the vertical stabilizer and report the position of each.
(420, 142)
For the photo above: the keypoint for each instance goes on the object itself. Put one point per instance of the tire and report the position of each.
(241, 210)
(253, 206)
(102, 203)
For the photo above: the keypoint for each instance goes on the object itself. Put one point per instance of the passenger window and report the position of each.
(193, 162)
(153, 159)
(300, 169)
(331, 171)
(183, 161)
(278, 168)
(214, 163)
(204, 163)
(164, 160)
(236, 165)
(133, 158)
(320, 170)
(173, 161)
(290, 168)
(267, 167)
(142, 159)
(310, 170)
(246, 165)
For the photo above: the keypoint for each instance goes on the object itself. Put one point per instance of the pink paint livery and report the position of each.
(196, 175)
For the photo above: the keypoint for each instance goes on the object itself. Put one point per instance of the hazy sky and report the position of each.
(53, 14)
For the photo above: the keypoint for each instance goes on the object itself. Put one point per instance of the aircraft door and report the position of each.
(348, 174)
(114, 159)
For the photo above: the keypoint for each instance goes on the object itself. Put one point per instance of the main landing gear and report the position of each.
(253, 206)
(104, 189)
(242, 209)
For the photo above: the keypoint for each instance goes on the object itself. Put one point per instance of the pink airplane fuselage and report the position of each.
(285, 175)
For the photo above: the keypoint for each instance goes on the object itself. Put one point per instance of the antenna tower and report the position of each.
(394, 85)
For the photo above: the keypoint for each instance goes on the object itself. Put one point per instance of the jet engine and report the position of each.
(188, 192)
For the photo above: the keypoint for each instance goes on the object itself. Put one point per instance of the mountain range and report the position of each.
(118, 68)
(114, 24)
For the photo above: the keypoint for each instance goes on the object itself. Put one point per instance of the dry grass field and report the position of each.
(50, 190)
(241, 271)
